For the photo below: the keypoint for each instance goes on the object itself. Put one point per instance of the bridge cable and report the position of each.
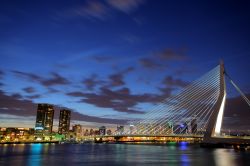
(238, 89)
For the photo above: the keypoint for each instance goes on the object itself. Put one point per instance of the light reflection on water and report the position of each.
(119, 154)
(224, 157)
(34, 159)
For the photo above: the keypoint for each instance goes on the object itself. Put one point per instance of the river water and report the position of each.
(119, 154)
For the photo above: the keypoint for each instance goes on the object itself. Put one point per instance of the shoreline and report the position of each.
(31, 142)
(201, 145)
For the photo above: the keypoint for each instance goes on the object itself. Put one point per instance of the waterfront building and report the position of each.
(96, 132)
(64, 121)
(109, 132)
(44, 118)
(181, 128)
(91, 132)
(102, 130)
(120, 129)
(77, 130)
(184, 128)
(12, 134)
(86, 133)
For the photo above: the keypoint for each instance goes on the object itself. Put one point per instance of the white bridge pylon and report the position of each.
(198, 109)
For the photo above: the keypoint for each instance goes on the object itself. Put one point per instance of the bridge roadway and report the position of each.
(230, 140)
(150, 138)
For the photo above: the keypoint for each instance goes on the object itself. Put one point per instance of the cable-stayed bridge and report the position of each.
(195, 113)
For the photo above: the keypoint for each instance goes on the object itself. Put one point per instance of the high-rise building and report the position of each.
(120, 130)
(131, 128)
(194, 126)
(102, 130)
(91, 132)
(64, 121)
(86, 133)
(77, 129)
(44, 118)
(183, 128)
(109, 132)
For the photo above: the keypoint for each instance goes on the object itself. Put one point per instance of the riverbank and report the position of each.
(31, 142)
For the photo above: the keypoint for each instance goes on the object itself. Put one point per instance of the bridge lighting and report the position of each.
(183, 143)
(220, 117)
(196, 110)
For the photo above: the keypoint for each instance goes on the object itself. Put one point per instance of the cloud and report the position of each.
(16, 105)
(76, 94)
(171, 55)
(92, 9)
(184, 70)
(16, 96)
(126, 6)
(91, 82)
(29, 76)
(116, 79)
(29, 89)
(99, 10)
(87, 118)
(121, 100)
(170, 81)
(52, 90)
(237, 113)
(34, 96)
(113, 80)
(166, 92)
(160, 59)
(150, 63)
(56, 79)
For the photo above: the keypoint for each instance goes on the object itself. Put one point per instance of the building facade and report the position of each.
(77, 130)
(102, 130)
(44, 118)
(64, 121)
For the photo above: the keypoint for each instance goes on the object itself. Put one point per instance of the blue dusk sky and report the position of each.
(110, 61)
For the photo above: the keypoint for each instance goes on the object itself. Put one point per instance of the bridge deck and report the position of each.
(169, 135)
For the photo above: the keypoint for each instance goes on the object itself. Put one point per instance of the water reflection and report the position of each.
(4, 148)
(35, 155)
(224, 157)
(119, 154)
(184, 160)
(183, 145)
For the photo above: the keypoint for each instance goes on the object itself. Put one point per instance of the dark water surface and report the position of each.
(119, 154)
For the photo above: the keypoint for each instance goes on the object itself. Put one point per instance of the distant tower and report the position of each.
(44, 118)
(120, 130)
(77, 129)
(183, 128)
(64, 121)
(216, 118)
(194, 126)
(102, 130)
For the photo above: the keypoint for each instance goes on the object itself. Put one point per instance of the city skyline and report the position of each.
(109, 61)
